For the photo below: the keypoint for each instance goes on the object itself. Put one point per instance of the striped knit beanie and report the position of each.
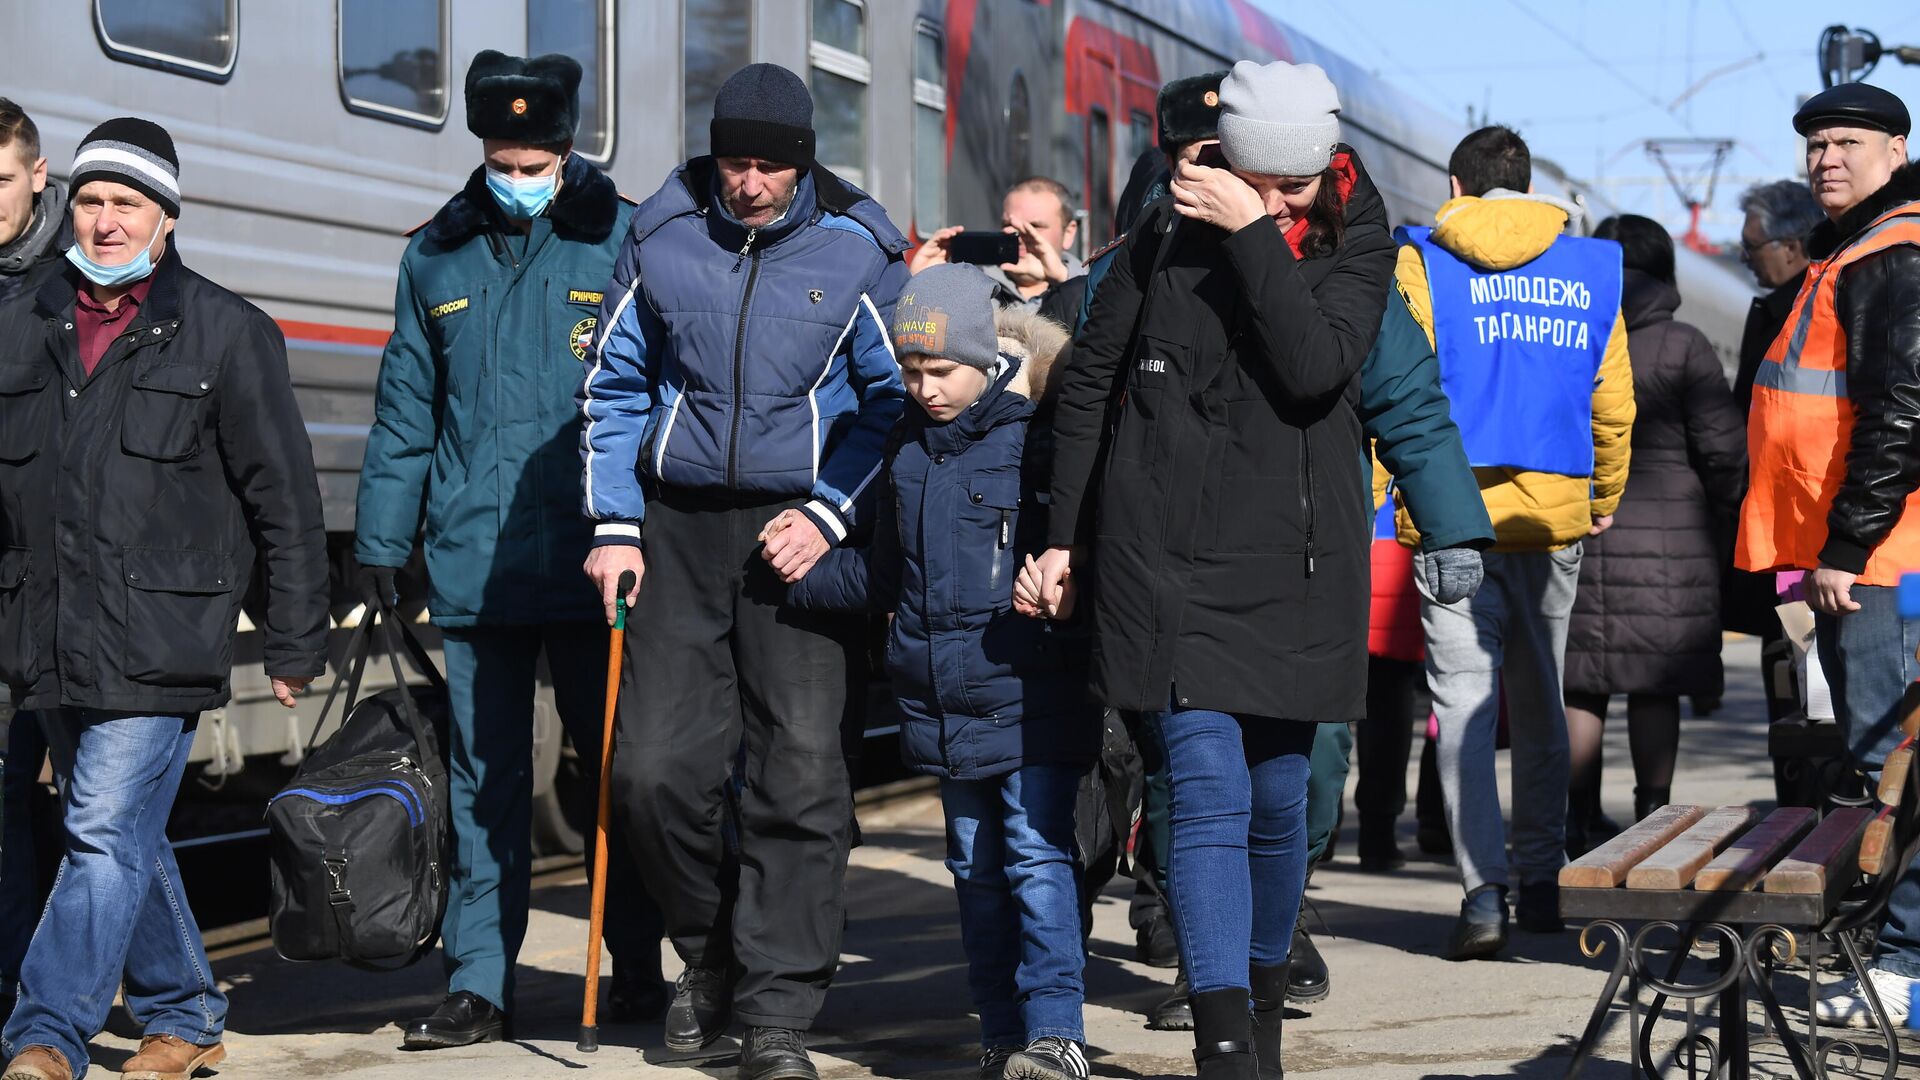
(131, 151)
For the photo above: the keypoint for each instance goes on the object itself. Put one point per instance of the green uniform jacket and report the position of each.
(476, 437)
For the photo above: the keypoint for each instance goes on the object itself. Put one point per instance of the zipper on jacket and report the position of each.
(744, 249)
(1306, 494)
(999, 557)
(739, 361)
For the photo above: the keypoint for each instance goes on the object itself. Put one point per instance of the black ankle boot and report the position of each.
(1270, 988)
(1647, 800)
(1223, 1035)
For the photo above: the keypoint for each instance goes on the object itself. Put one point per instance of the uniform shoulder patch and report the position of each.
(1109, 246)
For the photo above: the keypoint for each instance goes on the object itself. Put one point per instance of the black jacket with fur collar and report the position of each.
(1878, 304)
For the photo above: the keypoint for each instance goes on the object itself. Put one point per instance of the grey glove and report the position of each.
(1453, 574)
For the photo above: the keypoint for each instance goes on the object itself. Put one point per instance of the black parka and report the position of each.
(1211, 468)
(133, 503)
(1647, 617)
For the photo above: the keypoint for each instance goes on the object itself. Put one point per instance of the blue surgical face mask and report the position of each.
(523, 198)
(139, 268)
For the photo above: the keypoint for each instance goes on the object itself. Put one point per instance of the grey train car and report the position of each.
(314, 133)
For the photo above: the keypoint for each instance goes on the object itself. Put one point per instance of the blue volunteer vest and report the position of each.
(1520, 350)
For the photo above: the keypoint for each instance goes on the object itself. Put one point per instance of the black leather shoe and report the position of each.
(463, 1019)
(1538, 911)
(1176, 1012)
(1481, 931)
(1155, 945)
(702, 1009)
(637, 1000)
(775, 1054)
(1272, 986)
(1308, 980)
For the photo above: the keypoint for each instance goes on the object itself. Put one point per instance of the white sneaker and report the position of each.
(1845, 1004)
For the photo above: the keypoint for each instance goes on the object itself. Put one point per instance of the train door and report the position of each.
(1112, 80)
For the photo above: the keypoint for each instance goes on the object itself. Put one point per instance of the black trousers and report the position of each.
(1397, 699)
(731, 758)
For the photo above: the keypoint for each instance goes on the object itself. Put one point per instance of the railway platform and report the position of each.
(899, 1003)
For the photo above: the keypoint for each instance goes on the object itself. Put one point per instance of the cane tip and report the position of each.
(589, 1039)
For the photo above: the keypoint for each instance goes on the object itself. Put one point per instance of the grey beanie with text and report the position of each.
(946, 312)
(1279, 119)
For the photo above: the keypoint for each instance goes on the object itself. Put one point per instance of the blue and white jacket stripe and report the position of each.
(751, 362)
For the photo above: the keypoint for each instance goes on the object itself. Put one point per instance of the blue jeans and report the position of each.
(1239, 822)
(1010, 847)
(490, 676)
(1867, 656)
(19, 867)
(117, 915)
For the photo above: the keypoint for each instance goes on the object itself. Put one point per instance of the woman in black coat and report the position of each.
(1208, 476)
(1646, 621)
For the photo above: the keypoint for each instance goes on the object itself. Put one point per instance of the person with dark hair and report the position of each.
(740, 388)
(1491, 159)
(1533, 354)
(1404, 416)
(473, 452)
(1646, 618)
(1046, 277)
(1236, 315)
(35, 232)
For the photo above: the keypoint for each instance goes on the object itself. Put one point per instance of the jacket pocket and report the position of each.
(992, 515)
(18, 648)
(180, 616)
(23, 411)
(162, 418)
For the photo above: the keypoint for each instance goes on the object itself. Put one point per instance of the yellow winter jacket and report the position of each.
(1531, 511)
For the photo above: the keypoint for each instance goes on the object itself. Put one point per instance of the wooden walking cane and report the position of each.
(597, 910)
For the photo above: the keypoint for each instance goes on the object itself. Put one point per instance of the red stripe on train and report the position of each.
(343, 335)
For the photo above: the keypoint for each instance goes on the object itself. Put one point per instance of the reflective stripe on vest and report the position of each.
(1520, 349)
(1802, 421)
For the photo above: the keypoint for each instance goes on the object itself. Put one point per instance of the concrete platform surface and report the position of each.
(899, 1005)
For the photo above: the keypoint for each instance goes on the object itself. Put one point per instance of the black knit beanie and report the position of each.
(131, 151)
(764, 111)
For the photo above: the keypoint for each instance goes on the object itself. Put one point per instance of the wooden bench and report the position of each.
(1763, 888)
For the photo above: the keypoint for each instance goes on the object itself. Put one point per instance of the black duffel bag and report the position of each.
(359, 837)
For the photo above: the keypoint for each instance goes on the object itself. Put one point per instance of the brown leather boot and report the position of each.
(169, 1057)
(38, 1063)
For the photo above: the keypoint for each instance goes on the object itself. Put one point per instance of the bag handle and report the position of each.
(355, 661)
(380, 618)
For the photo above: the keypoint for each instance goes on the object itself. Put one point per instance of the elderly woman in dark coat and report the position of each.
(1646, 622)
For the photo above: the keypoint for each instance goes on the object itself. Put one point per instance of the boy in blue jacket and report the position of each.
(992, 702)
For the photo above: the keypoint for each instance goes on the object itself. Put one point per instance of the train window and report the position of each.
(841, 72)
(393, 59)
(1019, 122)
(717, 41)
(929, 129)
(192, 37)
(1139, 135)
(1099, 178)
(582, 29)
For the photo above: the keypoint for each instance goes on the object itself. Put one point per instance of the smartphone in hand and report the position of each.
(984, 247)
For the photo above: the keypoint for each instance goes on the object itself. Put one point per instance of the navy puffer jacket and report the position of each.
(982, 689)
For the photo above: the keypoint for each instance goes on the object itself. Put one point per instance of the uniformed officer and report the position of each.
(475, 439)
(1835, 472)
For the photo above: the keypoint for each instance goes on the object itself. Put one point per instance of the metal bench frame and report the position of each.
(1755, 932)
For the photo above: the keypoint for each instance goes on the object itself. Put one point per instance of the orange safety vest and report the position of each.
(1802, 425)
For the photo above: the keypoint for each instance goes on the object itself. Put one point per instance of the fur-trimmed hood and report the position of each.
(1828, 237)
(1036, 342)
(585, 210)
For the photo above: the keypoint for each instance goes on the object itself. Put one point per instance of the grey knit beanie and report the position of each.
(1279, 119)
(946, 311)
